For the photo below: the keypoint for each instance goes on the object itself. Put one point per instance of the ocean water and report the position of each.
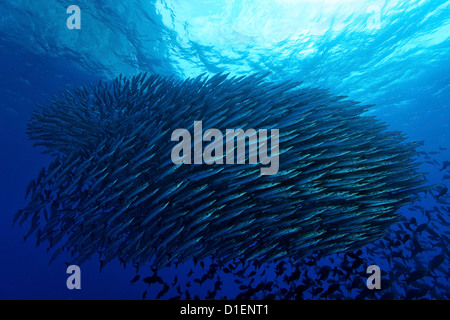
(394, 55)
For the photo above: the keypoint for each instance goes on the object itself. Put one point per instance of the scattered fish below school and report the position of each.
(414, 262)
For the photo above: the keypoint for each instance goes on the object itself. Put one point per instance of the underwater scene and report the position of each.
(225, 150)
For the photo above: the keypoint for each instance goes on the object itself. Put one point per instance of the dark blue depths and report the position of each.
(410, 91)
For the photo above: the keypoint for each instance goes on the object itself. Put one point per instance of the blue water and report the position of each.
(395, 56)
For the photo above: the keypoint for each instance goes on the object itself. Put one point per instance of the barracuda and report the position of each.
(339, 171)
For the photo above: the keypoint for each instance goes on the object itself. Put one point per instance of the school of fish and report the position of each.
(112, 188)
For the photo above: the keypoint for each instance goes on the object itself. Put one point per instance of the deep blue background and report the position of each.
(403, 68)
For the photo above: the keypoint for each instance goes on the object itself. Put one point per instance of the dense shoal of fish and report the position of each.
(112, 188)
